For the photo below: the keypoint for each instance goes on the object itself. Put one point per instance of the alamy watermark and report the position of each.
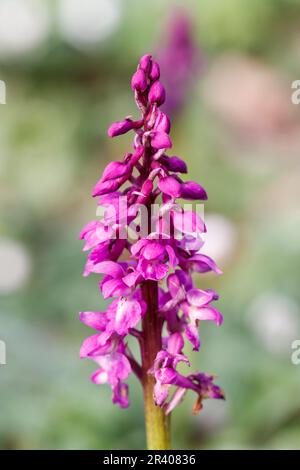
(295, 97)
(2, 353)
(122, 220)
(295, 356)
(2, 92)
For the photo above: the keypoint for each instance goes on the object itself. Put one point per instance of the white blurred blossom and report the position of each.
(15, 265)
(24, 25)
(274, 318)
(220, 238)
(83, 23)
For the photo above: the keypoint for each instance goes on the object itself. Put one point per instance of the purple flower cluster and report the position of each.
(154, 271)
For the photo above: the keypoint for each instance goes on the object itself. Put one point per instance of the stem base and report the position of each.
(157, 423)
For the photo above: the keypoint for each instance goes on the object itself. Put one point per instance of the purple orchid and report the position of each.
(180, 59)
(149, 279)
(164, 370)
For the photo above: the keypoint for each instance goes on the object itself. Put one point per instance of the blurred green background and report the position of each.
(67, 66)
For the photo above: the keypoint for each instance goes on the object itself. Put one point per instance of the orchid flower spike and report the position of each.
(149, 278)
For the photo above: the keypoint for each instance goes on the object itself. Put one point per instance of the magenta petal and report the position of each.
(175, 343)
(153, 250)
(117, 366)
(172, 256)
(191, 332)
(131, 278)
(160, 140)
(213, 293)
(99, 253)
(100, 234)
(166, 375)
(120, 395)
(114, 367)
(109, 186)
(114, 170)
(136, 248)
(185, 279)
(89, 345)
(161, 393)
(191, 242)
(174, 284)
(174, 164)
(198, 297)
(128, 314)
(170, 186)
(208, 313)
(111, 268)
(193, 191)
(203, 263)
(91, 226)
(114, 288)
(205, 387)
(136, 155)
(167, 306)
(162, 123)
(146, 190)
(152, 270)
(96, 320)
(160, 271)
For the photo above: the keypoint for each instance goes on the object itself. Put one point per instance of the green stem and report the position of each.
(157, 423)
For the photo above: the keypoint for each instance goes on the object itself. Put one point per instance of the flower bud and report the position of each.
(120, 127)
(145, 63)
(174, 164)
(157, 94)
(193, 191)
(139, 81)
(114, 170)
(155, 71)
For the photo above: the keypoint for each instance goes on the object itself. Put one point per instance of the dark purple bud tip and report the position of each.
(193, 191)
(139, 81)
(157, 94)
(174, 164)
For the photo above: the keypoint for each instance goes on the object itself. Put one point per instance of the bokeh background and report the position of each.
(228, 68)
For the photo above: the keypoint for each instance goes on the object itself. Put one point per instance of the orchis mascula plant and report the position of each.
(149, 278)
